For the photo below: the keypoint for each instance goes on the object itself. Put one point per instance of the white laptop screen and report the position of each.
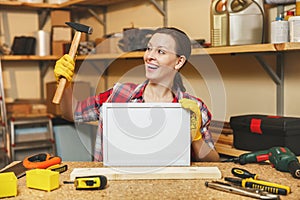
(146, 134)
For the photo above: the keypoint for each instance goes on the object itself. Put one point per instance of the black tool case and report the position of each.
(261, 132)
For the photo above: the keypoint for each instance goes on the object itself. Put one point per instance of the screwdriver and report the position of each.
(259, 184)
(242, 173)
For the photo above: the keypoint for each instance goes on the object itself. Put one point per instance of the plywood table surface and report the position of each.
(157, 189)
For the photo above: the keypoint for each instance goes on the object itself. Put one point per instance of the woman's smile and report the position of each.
(152, 66)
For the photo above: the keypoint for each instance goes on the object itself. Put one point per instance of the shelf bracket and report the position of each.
(5, 31)
(43, 65)
(43, 16)
(162, 9)
(278, 78)
(101, 21)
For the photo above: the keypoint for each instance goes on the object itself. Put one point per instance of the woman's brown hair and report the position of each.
(183, 47)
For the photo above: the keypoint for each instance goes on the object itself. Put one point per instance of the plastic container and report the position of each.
(279, 31)
(245, 22)
(294, 28)
(289, 14)
(297, 7)
(219, 23)
(42, 179)
(8, 184)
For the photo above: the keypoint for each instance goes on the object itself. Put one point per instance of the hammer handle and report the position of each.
(62, 81)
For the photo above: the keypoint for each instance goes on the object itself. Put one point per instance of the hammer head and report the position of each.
(80, 27)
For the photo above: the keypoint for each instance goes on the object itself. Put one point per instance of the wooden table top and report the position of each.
(158, 189)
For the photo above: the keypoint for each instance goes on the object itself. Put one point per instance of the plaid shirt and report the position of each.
(90, 109)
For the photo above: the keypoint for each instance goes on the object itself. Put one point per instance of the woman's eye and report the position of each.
(161, 51)
(148, 49)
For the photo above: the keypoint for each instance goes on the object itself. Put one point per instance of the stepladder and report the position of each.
(24, 134)
(4, 133)
(31, 134)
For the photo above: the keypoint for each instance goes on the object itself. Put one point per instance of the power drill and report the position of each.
(282, 158)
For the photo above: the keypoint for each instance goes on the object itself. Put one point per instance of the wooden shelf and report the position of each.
(254, 48)
(57, 6)
(27, 58)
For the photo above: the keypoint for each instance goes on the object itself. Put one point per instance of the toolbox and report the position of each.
(260, 132)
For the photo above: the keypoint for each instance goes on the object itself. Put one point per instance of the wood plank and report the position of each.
(223, 139)
(142, 173)
(66, 4)
(252, 48)
(103, 56)
(289, 46)
(255, 48)
(229, 150)
(91, 2)
(27, 58)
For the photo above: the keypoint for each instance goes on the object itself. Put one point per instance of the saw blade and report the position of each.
(18, 169)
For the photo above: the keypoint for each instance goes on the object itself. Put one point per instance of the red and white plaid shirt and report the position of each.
(90, 109)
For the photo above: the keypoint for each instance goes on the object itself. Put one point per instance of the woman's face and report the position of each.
(161, 61)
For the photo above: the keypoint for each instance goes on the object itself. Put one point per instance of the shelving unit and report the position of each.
(257, 50)
(43, 8)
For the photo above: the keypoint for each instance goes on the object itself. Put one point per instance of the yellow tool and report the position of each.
(249, 192)
(89, 182)
(42, 179)
(259, 184)
(8, 182)
(58, 168)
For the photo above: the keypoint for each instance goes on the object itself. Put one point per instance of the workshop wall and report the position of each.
(248, 88)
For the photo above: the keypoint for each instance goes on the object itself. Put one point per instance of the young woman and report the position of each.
(167, 52)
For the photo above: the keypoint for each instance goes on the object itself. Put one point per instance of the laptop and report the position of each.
(146, 134)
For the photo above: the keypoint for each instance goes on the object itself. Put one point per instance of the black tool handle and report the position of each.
(242, 173)
(294, 168)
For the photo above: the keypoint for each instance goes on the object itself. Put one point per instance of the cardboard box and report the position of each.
(108, 45)
(61, 33)
(81, 90)
(24, 108)
(60, 17)
(59, 48)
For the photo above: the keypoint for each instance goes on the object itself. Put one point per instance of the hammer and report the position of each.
(72, 52)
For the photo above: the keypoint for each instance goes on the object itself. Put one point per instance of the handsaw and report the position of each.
(17, 168)
(41, 160)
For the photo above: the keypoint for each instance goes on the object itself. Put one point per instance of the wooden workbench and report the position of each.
(157, 189)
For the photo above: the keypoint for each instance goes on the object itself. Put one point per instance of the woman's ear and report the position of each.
(180, 62)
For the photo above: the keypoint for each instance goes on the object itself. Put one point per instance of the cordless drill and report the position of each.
(280, 157)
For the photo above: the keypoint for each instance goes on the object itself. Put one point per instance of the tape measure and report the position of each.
(89, 182)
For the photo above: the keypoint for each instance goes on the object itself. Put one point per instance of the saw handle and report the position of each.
(63, 81)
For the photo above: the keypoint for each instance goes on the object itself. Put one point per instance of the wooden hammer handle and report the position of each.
(62, 82)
